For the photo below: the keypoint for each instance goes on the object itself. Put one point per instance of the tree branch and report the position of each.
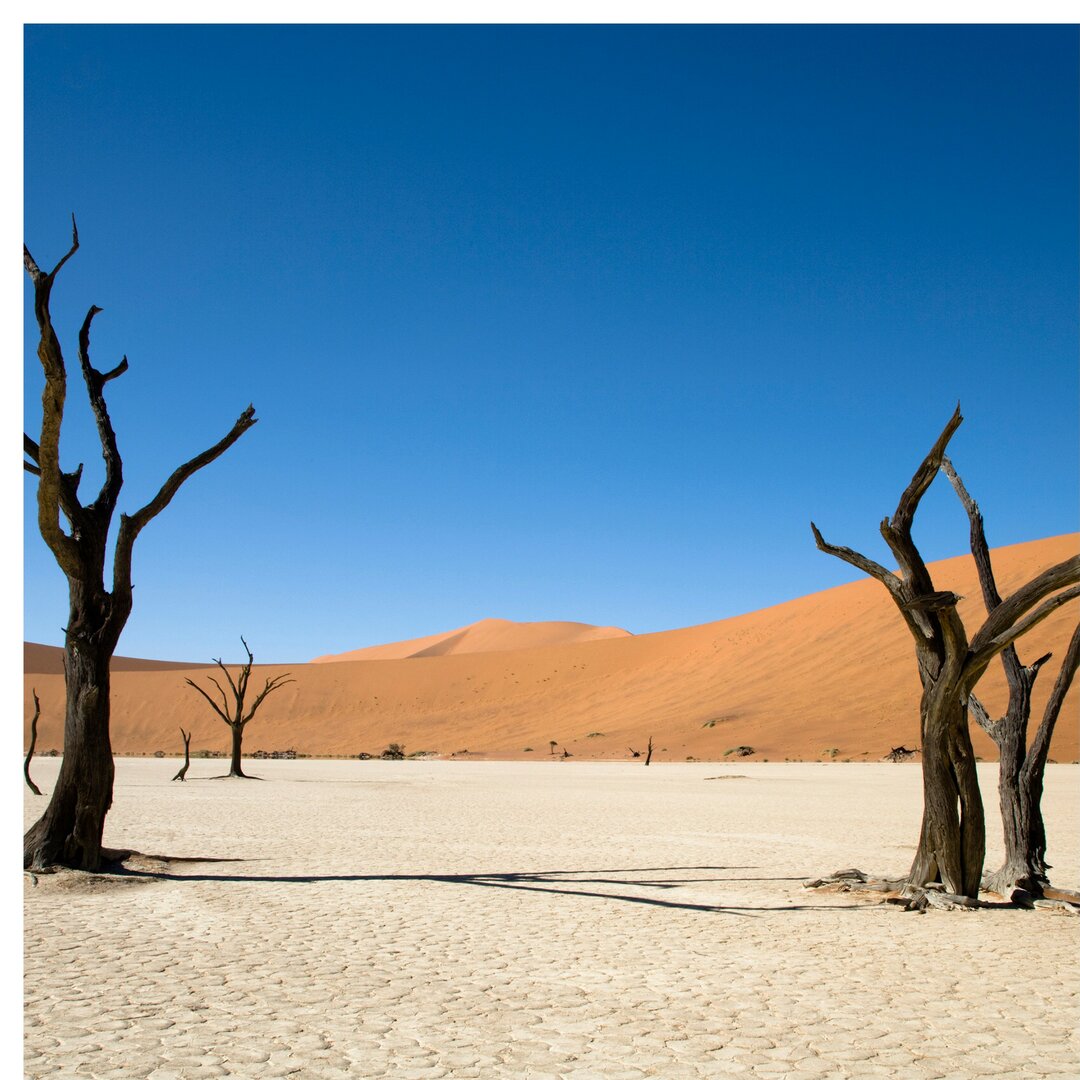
(1008, 612)
(52, 494)
(985, 646)
(271, 685)
(221, 691)
(977, 712)
(130, 527)
(1040, 745)
(95, 381)
(245, 674)
(213, 703)
(897, 531)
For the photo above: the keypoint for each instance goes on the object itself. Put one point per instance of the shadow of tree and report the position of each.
(556, 882)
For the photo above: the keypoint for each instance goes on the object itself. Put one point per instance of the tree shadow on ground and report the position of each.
(556, 882)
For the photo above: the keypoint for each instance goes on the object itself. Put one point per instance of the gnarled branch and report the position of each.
(95, 381)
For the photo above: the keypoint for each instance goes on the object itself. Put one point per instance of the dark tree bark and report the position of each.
(1020, 771)
(33, 743)
(232, 712)
(69, 833)
(952, 842)
(649, 750)
(186, 736)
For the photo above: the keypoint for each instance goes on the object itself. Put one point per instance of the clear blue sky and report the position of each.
(549, 322)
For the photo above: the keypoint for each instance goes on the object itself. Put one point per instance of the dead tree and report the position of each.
(649, 749)
(186, 735)
(952, 842)
(33, 742)
(69, 833)
(1020, 768)
(232, 712)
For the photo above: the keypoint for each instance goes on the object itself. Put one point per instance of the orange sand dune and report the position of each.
(488, 635)
(49, 660)
(834, 671)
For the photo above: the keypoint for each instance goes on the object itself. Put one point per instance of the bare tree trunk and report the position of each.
(648, 755)
(186, 736)
(33, 742)
(70, 830)
(235, 768)
(952, 840)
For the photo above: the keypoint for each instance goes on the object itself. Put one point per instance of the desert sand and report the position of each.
(541, 919)
(826, 676)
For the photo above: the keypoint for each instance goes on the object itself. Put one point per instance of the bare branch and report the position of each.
(924, 475)
(1008, 612)
(977, 712)
(1040, 745)
(984, 647)
(245, 674)
(114, 466)
(221, 691)
(116, 371)
(33, 743)
(271, 685)
(52, 494)
(73, 249)
(131, 526)
(232, 685)
(897, 531)
(860, 562)
(213, 704)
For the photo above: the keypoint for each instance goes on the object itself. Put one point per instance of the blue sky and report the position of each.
(549, 322)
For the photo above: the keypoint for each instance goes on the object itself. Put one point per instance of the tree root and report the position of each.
(920, 898)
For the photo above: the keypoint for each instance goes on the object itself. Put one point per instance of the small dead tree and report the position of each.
(1020, 768)
(186, 735)
(648, 751)
(952, 842)
(69, 832)
(33, 742)
(232, 712)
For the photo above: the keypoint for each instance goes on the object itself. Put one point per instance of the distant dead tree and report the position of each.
(1021, 768)
(69, 832)
(648, 751)
(33, 742)
(952, 842)
(232, 712)
(186, 735)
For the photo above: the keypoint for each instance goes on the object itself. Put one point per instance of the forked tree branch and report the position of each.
(914, 580)
(271, 685)
(1040, 745)
(213, 704)
(996, 634)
